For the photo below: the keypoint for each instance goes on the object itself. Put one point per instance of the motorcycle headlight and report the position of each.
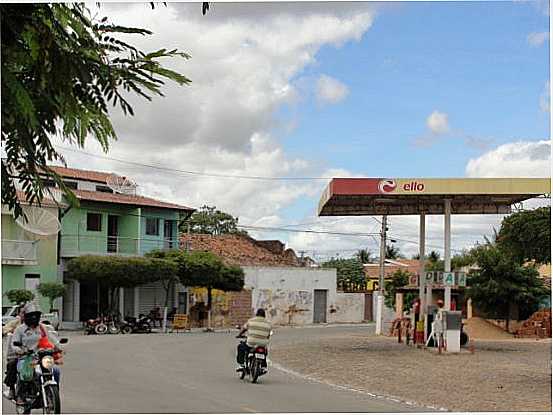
(47, 362)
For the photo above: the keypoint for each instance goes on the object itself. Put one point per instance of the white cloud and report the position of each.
(330, 90)
(243, 68)
(519, 159)
(536, 39)
(437, 122)
(545, 98)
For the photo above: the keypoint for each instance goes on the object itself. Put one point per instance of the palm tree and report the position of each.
(434, 256)
(364, 256)
(392, 252)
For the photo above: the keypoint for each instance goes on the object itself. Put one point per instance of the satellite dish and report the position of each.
(38, 221)
(120, 184)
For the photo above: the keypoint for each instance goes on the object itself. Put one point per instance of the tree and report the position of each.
(527, 235)
(364, 256)
(168, 279)
(501, 282)
(114, 272)
(61, 68)
(434, 256)
(210, 220)
(19, 296)
(400, 278)
(205, 269)
(52, 291)
(392, 252)
(349, 272)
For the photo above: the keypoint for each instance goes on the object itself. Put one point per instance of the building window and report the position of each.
(105, 189)
(71, 185)
(49, 183)
(93, 221)
(152, 226)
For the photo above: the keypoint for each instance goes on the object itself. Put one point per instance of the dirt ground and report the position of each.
(501, 375)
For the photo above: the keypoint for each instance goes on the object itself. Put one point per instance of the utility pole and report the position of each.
(380, 298)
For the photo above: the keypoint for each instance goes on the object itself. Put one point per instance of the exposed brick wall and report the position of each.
(275, 246)
(240, 307)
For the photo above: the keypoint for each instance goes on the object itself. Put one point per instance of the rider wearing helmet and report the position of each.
(29, 334)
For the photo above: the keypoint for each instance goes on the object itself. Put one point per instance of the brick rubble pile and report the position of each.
(538, 325)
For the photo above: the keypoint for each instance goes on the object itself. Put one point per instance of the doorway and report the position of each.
(112, 233)
(368, 316)
(319, 306)
(168, 234)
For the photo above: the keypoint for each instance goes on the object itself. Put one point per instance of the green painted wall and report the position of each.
(13, 276)
(76, 239)
(151, 242)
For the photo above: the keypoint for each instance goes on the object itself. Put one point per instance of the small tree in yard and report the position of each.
(399, 279)
(205, 269)
(52, 291)
(501, 282)
(19, 296)
(349, 272)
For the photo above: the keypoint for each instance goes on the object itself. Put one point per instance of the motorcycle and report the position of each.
(36, 387)
(133, 325)
(255, 364)
(95, 326)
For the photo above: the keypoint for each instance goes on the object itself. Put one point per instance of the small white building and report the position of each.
(301, 296)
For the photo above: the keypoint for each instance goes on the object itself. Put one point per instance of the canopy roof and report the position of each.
(379, 196)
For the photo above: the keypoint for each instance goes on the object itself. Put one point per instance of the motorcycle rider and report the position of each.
(259, 332)
(29, 334)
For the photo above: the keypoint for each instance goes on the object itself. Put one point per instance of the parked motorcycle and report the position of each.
(134, 325)
(36, 387)
(95, 326)
(255, 364)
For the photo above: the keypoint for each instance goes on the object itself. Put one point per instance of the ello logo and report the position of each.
(387, 186)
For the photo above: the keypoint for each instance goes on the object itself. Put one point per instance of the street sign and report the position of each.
(449, 278)
(462, 279)
(429, 277)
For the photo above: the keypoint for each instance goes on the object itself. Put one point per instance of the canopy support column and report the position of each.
(422, 240)
(447, 250)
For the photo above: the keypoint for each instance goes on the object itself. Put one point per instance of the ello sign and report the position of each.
(413, 187)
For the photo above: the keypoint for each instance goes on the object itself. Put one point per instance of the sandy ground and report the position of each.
(502, 375)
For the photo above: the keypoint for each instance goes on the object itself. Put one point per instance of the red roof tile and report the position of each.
(46, 201)
(410, 265)
(95, 176)
(127, 200)
(238, 250)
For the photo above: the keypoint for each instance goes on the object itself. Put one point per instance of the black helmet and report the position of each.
(31, 315)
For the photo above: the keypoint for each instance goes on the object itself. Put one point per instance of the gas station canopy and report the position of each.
(379, 196)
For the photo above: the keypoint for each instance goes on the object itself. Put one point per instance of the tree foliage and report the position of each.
(19, 296)
(210, 220)
(52, 291)
(364, 256)
(114, 272)
(501, 282)
(392, 252)
(400, 278)
(349, 272)
(527, 235)
(61, 70)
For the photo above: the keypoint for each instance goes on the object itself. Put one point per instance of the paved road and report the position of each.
(191, 373)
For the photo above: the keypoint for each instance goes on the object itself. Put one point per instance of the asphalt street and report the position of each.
(192, 373)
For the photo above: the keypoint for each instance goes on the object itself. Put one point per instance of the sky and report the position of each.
(415, 89)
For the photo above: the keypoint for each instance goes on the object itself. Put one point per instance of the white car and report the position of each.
(10, 312)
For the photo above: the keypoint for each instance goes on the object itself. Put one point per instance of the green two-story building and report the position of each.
(110, 220)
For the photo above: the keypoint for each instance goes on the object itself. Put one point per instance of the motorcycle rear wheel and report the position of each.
(100, 328)
(113, 330)
(126, 329)
(254, 370)
(53, 403)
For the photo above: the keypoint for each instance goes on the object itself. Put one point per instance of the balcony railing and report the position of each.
(73, 245)
(19, 252)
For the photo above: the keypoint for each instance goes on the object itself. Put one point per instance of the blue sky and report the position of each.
(470, 60)
(436, 89)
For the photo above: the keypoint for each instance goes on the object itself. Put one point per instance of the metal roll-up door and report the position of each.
(153, 295)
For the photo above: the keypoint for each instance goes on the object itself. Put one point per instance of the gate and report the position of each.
(368, 316)
(319, 306)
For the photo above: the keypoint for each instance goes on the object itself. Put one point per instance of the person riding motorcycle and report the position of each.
(259, 332)
(32, 335)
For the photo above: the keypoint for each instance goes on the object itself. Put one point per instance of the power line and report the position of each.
(365, 235)
(190, 172)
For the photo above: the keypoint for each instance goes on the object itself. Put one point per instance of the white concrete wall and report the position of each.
(348, 308)
(286, 293)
